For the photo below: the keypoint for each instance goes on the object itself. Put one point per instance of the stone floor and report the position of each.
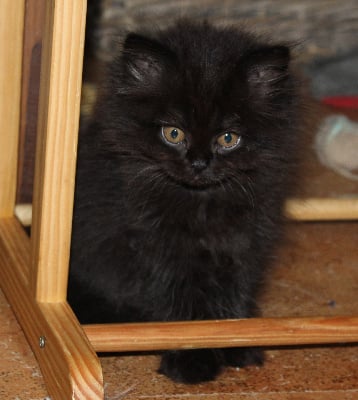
(315, 273)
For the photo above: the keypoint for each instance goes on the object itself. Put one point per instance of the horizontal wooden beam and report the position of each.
(224, 333)
(322, 209)
(309, 209)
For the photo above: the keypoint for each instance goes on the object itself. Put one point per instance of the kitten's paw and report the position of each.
(190, 366)
(243, 357)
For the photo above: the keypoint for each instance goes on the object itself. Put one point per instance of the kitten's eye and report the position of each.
(229, 140)
(173, 135)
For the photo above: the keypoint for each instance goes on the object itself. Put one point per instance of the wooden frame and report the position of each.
(34, 271)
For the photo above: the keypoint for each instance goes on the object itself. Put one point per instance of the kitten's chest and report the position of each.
(197, 228)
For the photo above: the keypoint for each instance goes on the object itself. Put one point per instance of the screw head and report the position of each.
(42, 342)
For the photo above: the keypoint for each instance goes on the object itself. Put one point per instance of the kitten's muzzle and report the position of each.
(199, 165)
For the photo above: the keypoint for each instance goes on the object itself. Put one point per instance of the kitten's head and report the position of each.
(201, 106)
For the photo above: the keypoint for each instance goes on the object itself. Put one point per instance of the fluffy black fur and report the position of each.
(167, 232)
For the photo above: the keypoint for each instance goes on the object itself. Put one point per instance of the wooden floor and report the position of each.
(315, 273)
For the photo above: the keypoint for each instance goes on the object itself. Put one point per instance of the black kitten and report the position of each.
(182, 174)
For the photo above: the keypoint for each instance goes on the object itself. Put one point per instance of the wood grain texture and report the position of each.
(11, 28)
(225, 333)
(325, 209)
(33, 274)
(31, 63)
(68, 363)
(60, 91)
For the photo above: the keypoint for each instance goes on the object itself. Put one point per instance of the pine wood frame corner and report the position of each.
(34, 271)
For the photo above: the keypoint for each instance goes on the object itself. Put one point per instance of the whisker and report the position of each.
(248, 191)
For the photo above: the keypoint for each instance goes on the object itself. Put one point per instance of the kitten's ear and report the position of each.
(143, 58)
(268, 69)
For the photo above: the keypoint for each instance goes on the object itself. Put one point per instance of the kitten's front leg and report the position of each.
(191, 366)
(195, 366)
(210, 302)
(240, 357)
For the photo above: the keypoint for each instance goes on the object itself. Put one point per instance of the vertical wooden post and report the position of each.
(31, 63)
(59, 108)
(60, 92)
(11, 28)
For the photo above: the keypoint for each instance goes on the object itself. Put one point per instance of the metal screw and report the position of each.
(42, 342)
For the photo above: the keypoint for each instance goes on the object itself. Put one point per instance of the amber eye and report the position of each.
(228, 140)
(173, 135)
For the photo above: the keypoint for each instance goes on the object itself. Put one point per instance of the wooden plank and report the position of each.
(61, 75)
(31, 64)
(11, 29)
(325, 209)
(69, 365)
(225, 333)
(309, 209)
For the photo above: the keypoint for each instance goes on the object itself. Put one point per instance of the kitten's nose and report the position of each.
(199, 165)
